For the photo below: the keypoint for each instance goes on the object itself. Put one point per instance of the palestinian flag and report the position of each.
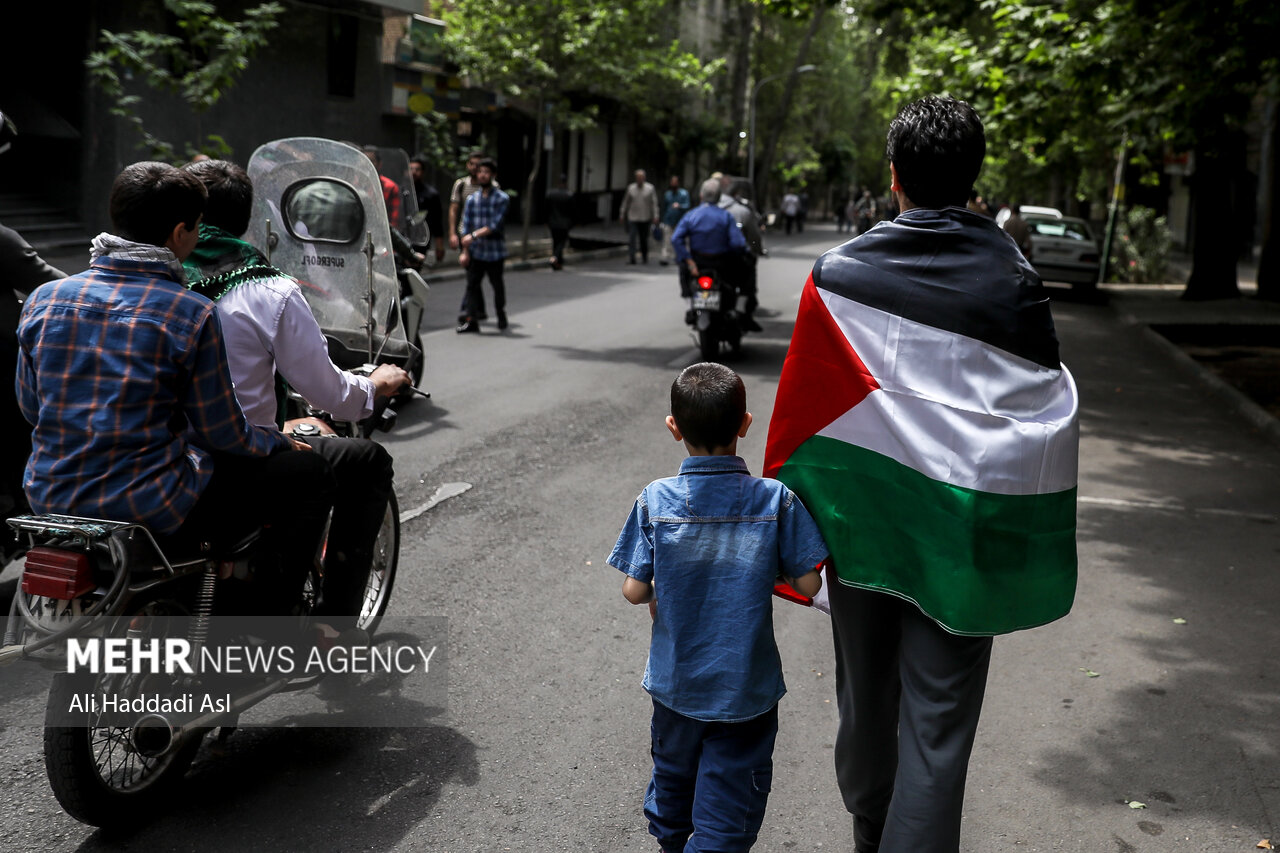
(924, 419)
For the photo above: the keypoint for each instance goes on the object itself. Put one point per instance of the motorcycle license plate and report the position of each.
(707, 300)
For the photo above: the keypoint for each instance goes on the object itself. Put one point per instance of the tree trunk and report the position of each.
(1269, 259)
(1214, 242)
(526, 205)
(740, 34)
(765, 165)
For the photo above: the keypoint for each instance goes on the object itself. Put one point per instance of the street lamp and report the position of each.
(751, 124)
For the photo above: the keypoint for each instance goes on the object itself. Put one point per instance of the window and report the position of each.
(323, 210)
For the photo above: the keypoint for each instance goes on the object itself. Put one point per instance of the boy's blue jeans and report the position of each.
(710, 781)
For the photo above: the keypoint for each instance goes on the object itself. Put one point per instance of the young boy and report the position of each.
(706, 547)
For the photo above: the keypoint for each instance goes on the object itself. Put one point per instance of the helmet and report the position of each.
(8, 132)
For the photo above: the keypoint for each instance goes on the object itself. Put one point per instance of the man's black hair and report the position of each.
(230, 194)
(420, 159)
(148, 199)
(488, 163)
(708, 401)
(936, 146)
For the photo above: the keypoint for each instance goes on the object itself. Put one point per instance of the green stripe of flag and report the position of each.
(977, 563)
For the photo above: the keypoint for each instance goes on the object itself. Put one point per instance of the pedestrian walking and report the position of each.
(802, 210)
(675, 204)
(429, 205)
(924, 417)
(639, 213)
(559, 220)
(704, 548)
(484, 247)
(790, 209)
(866, 212)
(461, 191)
(1018, 229)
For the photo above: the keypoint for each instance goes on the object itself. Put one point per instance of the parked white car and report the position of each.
(1063, 248)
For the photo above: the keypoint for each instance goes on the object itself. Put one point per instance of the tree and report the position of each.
(550, 50)
(199, 66)
(1060, 81)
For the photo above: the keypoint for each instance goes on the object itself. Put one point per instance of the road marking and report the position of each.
(442, 494)
(1165, 506)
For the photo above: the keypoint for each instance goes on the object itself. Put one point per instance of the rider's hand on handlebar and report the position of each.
(388, 379)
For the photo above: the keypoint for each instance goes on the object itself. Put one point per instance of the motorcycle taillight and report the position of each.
(706, 282)
(65, 575)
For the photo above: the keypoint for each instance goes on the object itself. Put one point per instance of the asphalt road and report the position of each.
(542, 744)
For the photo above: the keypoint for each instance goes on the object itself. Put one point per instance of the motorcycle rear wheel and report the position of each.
(708, 344)
(382, 573)
(95, 772)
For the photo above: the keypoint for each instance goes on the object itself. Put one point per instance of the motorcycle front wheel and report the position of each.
(382, 572)
(95, 771)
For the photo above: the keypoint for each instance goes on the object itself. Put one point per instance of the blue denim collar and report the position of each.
(714, 465)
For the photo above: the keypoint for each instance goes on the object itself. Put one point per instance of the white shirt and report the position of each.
(790, 204)
(268, 327)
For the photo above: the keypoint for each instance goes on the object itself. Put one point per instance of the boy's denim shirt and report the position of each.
(714, 540)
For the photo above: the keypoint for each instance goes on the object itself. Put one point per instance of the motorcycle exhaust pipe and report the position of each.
(152, 735)
(155, 734)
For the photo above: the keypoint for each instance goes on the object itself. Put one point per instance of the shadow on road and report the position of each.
(1188, 717)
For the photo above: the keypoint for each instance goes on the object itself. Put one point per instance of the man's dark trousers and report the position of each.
(291, 491)
(363, 472)
(476, 271)
(638, 234)
(559, 239)
(909, 696)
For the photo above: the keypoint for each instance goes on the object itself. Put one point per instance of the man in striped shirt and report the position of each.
(123, 373)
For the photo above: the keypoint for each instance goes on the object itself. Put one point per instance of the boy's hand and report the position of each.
(637, 592)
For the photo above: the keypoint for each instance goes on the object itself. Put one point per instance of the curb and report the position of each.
(1236, 400)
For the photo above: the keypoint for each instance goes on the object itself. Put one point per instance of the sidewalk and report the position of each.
(1161, 688)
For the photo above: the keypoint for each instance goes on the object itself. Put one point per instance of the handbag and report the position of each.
(657, 233)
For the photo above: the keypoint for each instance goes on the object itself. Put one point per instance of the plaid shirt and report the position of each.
(118, 367)
(482, 210)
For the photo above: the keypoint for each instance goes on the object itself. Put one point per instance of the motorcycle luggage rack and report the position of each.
(87, 530)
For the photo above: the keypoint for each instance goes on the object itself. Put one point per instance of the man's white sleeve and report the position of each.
(302, 357)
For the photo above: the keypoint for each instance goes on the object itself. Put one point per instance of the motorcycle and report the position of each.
(712, 311)
(319, 212)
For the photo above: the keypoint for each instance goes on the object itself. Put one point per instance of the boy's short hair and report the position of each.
(936, 146)
(488, 163)
(148, 199)
(230, 194)
(708, 401)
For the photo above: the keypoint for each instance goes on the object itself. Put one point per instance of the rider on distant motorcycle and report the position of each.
(708, 236)
(270, 329)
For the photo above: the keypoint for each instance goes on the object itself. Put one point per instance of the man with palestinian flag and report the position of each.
(925, 420)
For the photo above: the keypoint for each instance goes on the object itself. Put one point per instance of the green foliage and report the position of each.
(549, 50)
(198, 66)
(438, 144)
(1141, 252)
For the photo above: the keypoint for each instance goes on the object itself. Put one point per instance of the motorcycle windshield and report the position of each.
(413, 222)
(316, 203)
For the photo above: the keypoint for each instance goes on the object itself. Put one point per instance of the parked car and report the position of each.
(1027, 210)
(1063, 248)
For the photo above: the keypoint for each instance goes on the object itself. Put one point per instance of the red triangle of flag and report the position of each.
(822, 378)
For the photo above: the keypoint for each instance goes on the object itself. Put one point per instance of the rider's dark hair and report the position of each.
(149, 199)
(488, 163)
(230, 194)
(708, 401)
(420, 159)
(936, 146)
